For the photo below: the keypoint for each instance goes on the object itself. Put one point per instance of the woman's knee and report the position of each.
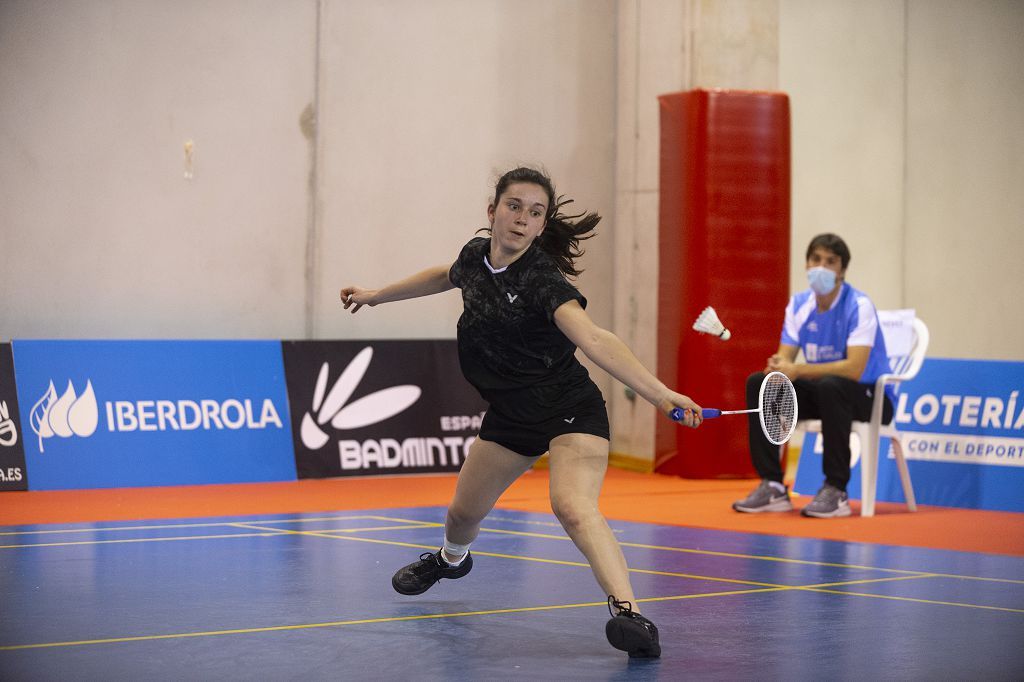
(573, 511)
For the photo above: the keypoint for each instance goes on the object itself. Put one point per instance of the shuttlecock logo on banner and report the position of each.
(332, 406)
(65, 416)
(8, 431)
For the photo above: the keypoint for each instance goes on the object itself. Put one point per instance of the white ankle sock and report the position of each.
(450, 548)
(778, 486)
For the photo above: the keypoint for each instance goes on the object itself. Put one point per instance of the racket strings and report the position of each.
(778, 408)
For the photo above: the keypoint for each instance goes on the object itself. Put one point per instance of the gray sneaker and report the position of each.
(829, 503)
(764, 498)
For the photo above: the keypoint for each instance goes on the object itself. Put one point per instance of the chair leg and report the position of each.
(868, 468)
(901, 462)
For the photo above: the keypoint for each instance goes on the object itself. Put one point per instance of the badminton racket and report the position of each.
(777, 409)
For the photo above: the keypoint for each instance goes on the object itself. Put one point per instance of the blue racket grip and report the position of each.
(706, 413)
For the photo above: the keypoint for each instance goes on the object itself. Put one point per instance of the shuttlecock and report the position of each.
(708, 323)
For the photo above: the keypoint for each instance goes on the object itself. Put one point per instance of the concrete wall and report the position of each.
(422, 106)
(964, 211)
(908, 130)
(102, 234)
(333, 142)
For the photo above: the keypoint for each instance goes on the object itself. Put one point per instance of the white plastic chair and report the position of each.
(904, 366)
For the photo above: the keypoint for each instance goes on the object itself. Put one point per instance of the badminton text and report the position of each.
(388, 453)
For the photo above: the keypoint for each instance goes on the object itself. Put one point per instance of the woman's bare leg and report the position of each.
(488, 471)
(578, 466)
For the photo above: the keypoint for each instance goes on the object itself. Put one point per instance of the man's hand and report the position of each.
(778, 363)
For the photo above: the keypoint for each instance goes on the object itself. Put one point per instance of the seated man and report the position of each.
(837, 328)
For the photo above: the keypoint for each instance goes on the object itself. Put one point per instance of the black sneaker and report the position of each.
(631, 632)
(420, 576)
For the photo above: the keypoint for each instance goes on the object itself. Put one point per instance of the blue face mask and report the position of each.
(822, 280)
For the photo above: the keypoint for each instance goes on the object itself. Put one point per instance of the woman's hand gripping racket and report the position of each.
(776, 409)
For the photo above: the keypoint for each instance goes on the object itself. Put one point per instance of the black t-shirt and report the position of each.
(509, 346)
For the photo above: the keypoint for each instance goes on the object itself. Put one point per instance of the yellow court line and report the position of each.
(760, 588)
(527, 522)
(822, 588)
(267, 532)
(323, 534)
(342, 623)
(804, 562)
(525, 533)
(868, 581)
(516, 557)
(438, 616)
(369, 528)
(915, 600)
(130, 540)
(703, 552)
(185, 525)
(574, 564)
(759, 557)
(410, 524)
(632, 570)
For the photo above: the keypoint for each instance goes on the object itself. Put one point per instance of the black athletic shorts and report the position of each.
(530, 436)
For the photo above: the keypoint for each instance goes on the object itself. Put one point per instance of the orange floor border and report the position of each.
(627, 496)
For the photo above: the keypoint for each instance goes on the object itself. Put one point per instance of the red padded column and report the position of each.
(724, 241)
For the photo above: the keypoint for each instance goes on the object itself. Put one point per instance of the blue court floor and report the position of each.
(308, 597)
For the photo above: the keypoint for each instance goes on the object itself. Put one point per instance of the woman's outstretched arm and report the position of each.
(613, 356)
(430, 281)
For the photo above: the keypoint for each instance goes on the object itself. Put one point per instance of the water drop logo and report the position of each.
(65, 416)
(368, 410)
(8, 431)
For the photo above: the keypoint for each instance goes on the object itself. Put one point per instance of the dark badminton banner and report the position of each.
(379, 407)
(13, 475)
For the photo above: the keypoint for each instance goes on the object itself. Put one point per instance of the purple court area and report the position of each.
(309, 596)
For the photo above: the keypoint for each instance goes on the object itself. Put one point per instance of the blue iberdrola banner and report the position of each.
(100, 414)
(962, 423)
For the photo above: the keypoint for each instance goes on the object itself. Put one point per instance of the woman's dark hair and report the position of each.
(563, 233)
(833, 243)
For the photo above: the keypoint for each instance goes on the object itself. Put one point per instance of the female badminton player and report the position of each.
(521, 324)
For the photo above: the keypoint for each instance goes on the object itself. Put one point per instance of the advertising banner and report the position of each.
(962, 423)
(13, 475)
(379, 407)
(101, 414)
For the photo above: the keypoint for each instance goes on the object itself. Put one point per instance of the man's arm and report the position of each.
(852, 367)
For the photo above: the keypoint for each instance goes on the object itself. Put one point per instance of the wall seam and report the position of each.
(313, 212)
(906, 131)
